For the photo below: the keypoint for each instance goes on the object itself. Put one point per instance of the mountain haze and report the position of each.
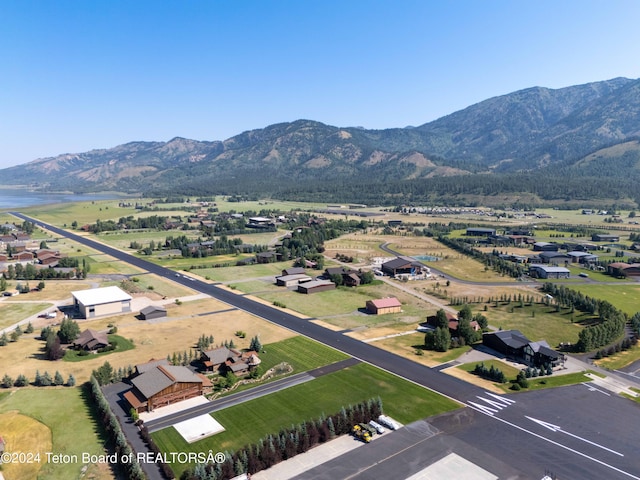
(584, 131)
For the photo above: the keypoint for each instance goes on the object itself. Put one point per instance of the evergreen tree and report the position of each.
(57, 378)
(7, 381)
(71, 381)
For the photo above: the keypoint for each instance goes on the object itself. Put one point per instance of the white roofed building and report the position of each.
(97, 302)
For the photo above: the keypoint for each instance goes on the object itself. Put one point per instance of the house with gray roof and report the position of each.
(162, 385)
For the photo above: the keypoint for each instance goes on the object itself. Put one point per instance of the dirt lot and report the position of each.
(153, 339)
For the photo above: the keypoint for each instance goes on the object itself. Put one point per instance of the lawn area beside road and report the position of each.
(624, 297)
(11, 313)
(558, 379)
(301, 353)
(248, 422)
(73, 429)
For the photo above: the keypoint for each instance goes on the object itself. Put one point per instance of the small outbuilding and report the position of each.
(292, 280)
(383, 306)
(153, 311)
(316, 286)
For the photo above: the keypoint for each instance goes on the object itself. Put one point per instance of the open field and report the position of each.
(624, 297)
(288, 350)
(152, 339)
(407, 345)
(451, 262)
(24, 434)
(345, 300)
(11, 313)
(231, 274)
(71, 430)
(54, 290)
(536, 322)
(248, 422)
(620, 359)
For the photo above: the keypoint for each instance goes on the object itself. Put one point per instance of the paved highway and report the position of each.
(578, 432)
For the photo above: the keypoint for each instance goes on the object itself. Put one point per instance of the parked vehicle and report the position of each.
(363, 435)
(379, 428)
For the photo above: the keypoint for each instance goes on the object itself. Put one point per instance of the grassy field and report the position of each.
(71, 429)
(624, 297)
(537, 322)
(231, 274)
(24, 434)
(407, 346)
(248, 422)
(288, 350)
(535, 383)
(11, 313)
(621, 359)
(52, 291)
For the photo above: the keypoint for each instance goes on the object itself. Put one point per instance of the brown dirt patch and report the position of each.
(474, 379)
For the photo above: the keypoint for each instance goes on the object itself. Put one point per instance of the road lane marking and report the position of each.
(556, 428)
(584, 455)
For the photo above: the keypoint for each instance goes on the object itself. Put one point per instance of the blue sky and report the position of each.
(78, 75)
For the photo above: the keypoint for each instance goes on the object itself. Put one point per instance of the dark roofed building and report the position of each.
(604, 237)
(222, 359)
(545, 247)
(293, 271)
(162, 385)
(401, 265)
(91, 340)
(153, 311)
(514, 345)
(481, 232)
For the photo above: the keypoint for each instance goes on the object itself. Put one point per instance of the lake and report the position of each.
(13, 198)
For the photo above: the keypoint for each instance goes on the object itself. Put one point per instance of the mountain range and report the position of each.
(585, 135)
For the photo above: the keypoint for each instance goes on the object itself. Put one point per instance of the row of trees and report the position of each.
(15, 334)
(288, 443)
(114, 433)
(611, 321)
(40, 380)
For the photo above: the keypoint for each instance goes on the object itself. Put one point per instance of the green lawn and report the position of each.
(248, 422)
(122, 345)
(301, 353)
(73, 428)
(624, 297)
(535, 383)
(509, 371)
(538, 322)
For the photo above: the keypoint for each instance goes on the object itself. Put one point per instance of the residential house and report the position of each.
(223, 359)
(91, 340)
(514, 345)
(164, 385)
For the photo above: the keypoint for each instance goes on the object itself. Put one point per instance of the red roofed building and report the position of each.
(383, 306)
